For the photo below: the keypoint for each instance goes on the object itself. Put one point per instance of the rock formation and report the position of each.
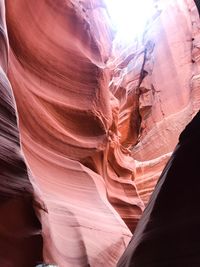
(98, 120)
(66, 121)
(20, 230)
(167, 234)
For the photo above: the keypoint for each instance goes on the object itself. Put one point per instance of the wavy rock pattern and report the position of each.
(69, 136)
(20, 238)
(156, 83)
(96, 119)
(169, 95)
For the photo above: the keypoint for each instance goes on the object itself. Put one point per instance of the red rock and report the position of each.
(98, 119)
(65, 113)
(167, 233)
(20, 230)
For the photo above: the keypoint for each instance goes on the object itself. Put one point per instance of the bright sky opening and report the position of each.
(129, 17)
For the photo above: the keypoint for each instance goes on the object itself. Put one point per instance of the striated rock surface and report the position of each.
(155, 82)
(20, 237)
(98, 119)
(69, 134)
(162, 77)
(167, 234)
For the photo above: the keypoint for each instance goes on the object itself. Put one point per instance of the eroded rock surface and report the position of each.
(167, 234)
(20, 230)
(98, 120)
(59, 79)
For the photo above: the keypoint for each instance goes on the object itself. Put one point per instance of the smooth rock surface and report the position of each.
(65, 109)
(98, 118)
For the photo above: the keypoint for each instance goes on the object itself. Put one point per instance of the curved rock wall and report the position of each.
(66, 122)
(154, 82)
(98, 120)
(20, 230)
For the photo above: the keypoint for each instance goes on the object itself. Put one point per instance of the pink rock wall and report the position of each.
(172, 84)
(159, 82)
(98, 121)
(65, 116)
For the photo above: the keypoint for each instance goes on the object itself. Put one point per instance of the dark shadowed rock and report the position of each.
(168, 231)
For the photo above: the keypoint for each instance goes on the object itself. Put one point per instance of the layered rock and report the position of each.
(98, 120)
(167, 234)
(167, 87)
(68, 128)
(155, 82)
(20, 230)
(167, 231)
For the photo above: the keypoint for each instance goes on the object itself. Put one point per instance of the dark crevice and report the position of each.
(197, 2)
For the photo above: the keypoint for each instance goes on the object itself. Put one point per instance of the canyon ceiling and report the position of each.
(88, 123)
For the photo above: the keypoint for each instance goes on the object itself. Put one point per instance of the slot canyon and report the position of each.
(99, 129)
